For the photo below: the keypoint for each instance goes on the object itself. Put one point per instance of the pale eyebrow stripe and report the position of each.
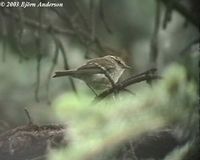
(114, 58)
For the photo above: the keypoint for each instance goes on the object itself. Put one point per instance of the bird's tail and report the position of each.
(63, 73)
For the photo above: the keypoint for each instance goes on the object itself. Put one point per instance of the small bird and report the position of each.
(93, 72)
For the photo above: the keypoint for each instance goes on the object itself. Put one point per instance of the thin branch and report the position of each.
(54, 61)
(145, 76)
(188, 46)
(66, 66)
(36, 24)
(20, 49)
(102, 16)
(21, 20)
(4, 47)
(94, 39)
(81, 14)
(38, 78)
(168, 14)
(93, 18)
(154, 40)
(39, 56)
(182, 10)
(18, 35)
(83, 35)
(16, 27)
(29, 117)
(70, 20)
(4, 34)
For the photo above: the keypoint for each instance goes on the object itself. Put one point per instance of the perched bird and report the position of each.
(96, 72)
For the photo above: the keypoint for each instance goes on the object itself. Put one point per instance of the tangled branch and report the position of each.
(175, 5)
(35, 24)
(154, 40)
(147, 76)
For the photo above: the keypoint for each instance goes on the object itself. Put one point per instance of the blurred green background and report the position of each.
(131, 31)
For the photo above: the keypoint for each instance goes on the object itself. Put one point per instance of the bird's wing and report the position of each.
(94, 66)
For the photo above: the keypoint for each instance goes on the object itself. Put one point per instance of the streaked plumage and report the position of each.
(92, 73)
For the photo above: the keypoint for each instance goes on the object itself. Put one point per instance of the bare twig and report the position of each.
(70, 20)
(90, 39)
(17, 30)
(21, 20)
(39, 57)
(188, 46)
(168, 14)
(154, 40)
(145, 76)
(182, 10)
(28, 116)
(54, 61)
(18, 36)
(36, 24)
(93, 18)
(38, 77)
(82, 33)
(102, 16)
(4, 34)
(66, 66)
(81, 14)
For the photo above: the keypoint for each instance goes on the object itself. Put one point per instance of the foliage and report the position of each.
(96, 130)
